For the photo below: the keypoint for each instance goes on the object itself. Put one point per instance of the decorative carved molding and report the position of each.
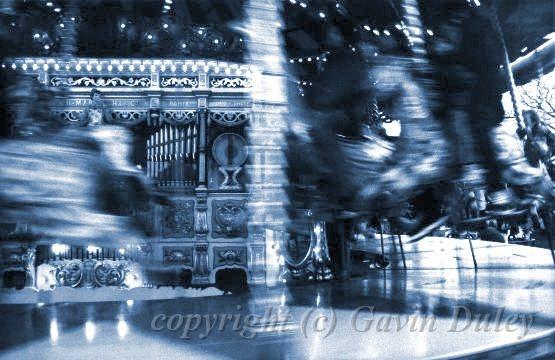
(176, 117)
(69, 115)
(227, 118)
(100, 81)
(110, 273)
(128, 116)
(178, 255)
(229, 218)
(69, 273)
(178, 219)
(227, 256)
(91, 273)
(179, 81)
(230, 82)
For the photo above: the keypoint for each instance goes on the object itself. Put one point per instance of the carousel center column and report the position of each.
(266, 137)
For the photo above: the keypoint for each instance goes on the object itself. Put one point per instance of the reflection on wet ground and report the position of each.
(297, 321)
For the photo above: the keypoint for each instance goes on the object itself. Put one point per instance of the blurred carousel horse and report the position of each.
(76, 186)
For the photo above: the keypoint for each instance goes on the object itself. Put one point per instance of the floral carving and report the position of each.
(99, 81)
(184, 82)
(230, 82)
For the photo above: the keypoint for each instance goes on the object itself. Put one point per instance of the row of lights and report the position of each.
(217, 68)
(308, 59)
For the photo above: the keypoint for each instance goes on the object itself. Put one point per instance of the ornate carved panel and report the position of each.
(178, 116)
(179, 81)
(69, 273)
(229, 218)
(230, 82)
(101, 81)
(128, 116)
(178, 219)
(230, 256)
(178, 255)
(229, 118)
(91, 273)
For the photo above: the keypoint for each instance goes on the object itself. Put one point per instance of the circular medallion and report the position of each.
(230, 150)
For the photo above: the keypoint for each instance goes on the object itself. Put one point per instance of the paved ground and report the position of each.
(323, 321)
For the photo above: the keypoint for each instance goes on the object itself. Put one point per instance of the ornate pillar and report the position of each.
(201, 269)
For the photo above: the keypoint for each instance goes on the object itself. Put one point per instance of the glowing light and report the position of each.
(90, 331)
(376, 32)
(386, 32)
(57, 10)
(309, 59)
(122, 25)
(45, 67)
(367, 28)
(131, 67)
(322, 15)
(429, 32)
(152, 68)
(524, 49)
(183, 45)
(36, 36)
(163, 68)
(165, 26)
(173, 68)
(303, 5)
(98, 67)
(56, 67)
(167, 7)
(168, 1)
(123, 328)
(216, 41)
(110, 67)
(46, 47)
(24, 66)
(49, 4)
(149, 36)
(54, 330)
(92, 248)
(141, 67)
(78, 67)
(291, 60)
(62, 25)
(398, 26)
(120, 67)
(199, 32)
(129, 303)
(293, 1)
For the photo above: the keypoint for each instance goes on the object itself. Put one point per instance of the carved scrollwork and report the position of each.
(181, 81)
(69, 115)
(69, 273)
(178, 219)
(108, 273)
(100, 81)
(178, 116)
(229, 218)
(230, 256)
(229, 118)
(128, 116)
(230, 82)
(178, 255)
